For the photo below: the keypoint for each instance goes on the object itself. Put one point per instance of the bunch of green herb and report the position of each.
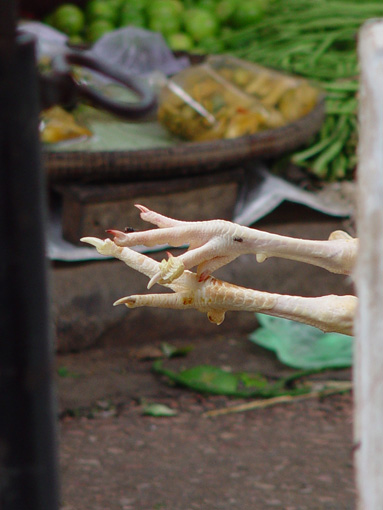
(316, 39)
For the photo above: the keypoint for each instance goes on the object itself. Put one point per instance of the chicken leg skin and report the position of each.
(214, 243)
(215, 297)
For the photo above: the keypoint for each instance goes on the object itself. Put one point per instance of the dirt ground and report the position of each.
(294, 456)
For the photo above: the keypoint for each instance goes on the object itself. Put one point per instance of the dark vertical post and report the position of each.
(28, 464)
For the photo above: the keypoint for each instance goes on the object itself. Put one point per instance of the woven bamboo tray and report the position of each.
(183, 158)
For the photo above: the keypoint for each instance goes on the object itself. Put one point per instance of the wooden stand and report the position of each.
(90, 209)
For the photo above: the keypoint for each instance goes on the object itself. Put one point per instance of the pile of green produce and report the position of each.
(316, 39)
(312, 38)
(191, 25)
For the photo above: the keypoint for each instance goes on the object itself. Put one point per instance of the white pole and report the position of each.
(368, 372)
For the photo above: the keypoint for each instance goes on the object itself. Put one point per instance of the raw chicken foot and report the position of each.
(215, 297)
(214, 243)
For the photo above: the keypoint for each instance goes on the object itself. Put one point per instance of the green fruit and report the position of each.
(206, 4)
(200, 23)
(248, 13)
(224, 9)
(136, 5)
(164, 7)
(102, 10)
(76, 40)
(166, 25)
(97, 29)
(132, 16)
(180, 42)
(68, 18)
(117, 4)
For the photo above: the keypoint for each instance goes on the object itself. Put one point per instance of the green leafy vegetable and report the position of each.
(301, 346)
(315, 39)
(215, 381)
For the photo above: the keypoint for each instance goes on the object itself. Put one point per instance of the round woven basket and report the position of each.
(186, 158)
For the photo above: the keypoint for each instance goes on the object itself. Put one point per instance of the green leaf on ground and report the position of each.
(210, 378)
(172, 351)
(300, 346)
(252, 380)
(154, 409)
(65, 372)
(216, 381)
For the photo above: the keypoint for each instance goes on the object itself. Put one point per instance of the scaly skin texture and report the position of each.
(212, 244)
(214, 297)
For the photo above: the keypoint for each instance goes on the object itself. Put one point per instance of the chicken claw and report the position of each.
(214, 243)
(215, 297)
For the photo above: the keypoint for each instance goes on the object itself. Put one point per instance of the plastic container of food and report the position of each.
(226, 98)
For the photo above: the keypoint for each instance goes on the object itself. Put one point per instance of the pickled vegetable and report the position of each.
(227, 98)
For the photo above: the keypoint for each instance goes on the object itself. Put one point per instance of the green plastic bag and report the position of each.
(300, 346)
